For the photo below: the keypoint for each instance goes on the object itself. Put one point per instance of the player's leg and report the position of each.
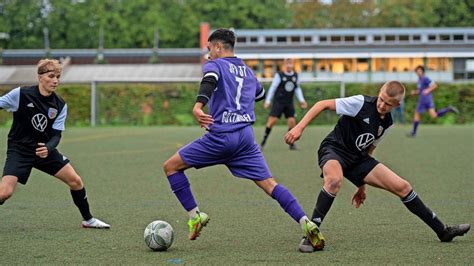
(7, 187)
(382, 177)
(69, 176)
(271, 121)
(443, 111)
(416, 123)
(291, 206)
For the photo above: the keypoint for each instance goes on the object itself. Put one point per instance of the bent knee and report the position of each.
(75, 183)
(168, 168)
(403, 189)
(332, 183)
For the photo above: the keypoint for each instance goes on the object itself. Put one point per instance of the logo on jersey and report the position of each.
(366, 120)
(30, 105)
(363, 141)
(52, 113)
(39, 122)
(289, 86)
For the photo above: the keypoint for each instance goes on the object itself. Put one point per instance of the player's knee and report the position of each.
(75, 183)
(403, 188)
(332, 183)
(168, 168)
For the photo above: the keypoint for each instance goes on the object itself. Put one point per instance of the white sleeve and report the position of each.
(377, 141)
(11, 100)
(349, 106)
(271, 91)
(299, 94)
(61, 119)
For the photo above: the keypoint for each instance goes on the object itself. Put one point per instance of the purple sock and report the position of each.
(288, 202)
(444, 111)
(415, 127)
(181, 188)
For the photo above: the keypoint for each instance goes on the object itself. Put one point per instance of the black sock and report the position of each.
(323, 204)
(267, 132)
(416, 206)
(80, 199)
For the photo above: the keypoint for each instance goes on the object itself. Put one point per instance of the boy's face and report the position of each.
(49, 80)
(419, 72)
(214, 49)
(289, 65)
(385, 103)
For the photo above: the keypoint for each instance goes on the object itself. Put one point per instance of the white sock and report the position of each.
(192, 213)
(303, 221)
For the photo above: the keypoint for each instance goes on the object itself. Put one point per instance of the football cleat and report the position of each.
(452, 231)
(305, 246)
(197, 224)
(95, 223)
(293, 147)
(313, 235)
(454, 109)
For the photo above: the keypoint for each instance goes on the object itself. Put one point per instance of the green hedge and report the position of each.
(171, 104)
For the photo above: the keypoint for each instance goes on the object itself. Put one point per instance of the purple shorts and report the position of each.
(424, 104)
(237, 150)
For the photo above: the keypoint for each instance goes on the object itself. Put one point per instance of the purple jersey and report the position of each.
(424, 83)
(232, 102)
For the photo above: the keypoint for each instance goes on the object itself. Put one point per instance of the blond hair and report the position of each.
(49, 65)
(394, 89)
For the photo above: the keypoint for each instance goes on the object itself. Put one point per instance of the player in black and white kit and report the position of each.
(347, 152)
(284, 86)
(39, 116)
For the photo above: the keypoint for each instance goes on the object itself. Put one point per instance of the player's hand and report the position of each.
(293, 135)
(42, 150)
(266, 105)
(303, 105)
(358, 197)
(203, 119)
(425, 92)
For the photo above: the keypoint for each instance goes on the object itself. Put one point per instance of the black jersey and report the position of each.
(34, 116)
(358, 128)
(286, 89)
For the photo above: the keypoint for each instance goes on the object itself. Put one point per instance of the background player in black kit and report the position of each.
(347, 152)
(38, 120)
(284, 86)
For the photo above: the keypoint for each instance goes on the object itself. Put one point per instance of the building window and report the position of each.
(458, 37)
(377, 38)
(444, 37)
(349, 38)
(253, 39)
(295, 39)
(403, 38)
(323, 39)
(390, 38)
(416, 38)
(281, 39)
(362, 38)
(268, 39)
(336, 38)
(241, 39)
(470, 37)
(308, 39)
(432, 37)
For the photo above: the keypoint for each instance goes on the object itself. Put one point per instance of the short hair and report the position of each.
(288, 59)
(420, 67)
(394, 89)
(225, 36)
(49, 65)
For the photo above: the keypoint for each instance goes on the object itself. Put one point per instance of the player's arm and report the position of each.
(44, 149)
(359, 196)
(299, 95)
(271, 91)
(295, 133)
(11, 100)
(206, 89)
(371, 150)
(260, 92)
(431, 88)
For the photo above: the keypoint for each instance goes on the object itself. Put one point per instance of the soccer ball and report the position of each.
(159, 235)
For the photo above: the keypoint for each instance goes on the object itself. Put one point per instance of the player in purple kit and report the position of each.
(425, 100)
(231, 89)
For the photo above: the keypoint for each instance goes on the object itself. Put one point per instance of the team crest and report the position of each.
(52, 113)
(380, 131)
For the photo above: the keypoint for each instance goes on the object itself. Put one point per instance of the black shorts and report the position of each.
(278, 108)
(354, 171)
(19, 163)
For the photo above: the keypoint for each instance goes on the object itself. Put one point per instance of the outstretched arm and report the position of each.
(295, 133)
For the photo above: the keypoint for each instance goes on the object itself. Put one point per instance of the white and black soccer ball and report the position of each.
(159, 235)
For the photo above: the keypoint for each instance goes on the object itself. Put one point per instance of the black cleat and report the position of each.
(305, 246)
(452, 231)
(293, 147)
